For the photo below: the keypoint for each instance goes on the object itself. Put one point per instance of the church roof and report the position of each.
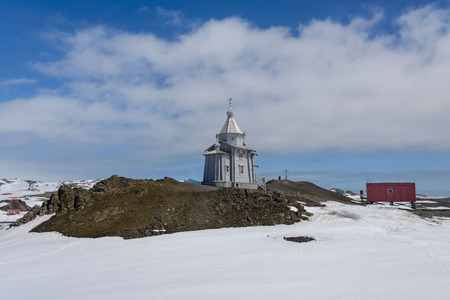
(236, 146)
(215, 152)
(230, 125)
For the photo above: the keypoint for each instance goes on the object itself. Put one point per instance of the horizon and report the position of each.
(193, 181)
(335, 93)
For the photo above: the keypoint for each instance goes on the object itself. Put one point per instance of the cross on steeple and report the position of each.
(231, 100)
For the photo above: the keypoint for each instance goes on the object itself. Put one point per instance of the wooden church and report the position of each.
(229, 162)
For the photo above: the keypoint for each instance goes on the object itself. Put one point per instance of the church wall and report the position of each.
(232, 138)
(250, 168)
(207, 171)
(241, 166)
(210, 168)
(227, 162)
(240, 169)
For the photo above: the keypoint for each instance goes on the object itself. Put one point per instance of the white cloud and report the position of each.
(17, 81)
(174, 17)
(331, 86)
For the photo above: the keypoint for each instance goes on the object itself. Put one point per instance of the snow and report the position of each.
(353, 197)
(23, 230)
(19, 186)
(431, 197)
(438, 208)
(32, 194)
(360, 252)
(426, 202)
(190, 180)
(293, 208)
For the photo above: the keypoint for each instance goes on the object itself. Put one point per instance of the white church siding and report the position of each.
(227, 168)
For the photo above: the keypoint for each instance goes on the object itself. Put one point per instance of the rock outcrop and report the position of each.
(29, 216)
(14, 204)
(131, 208)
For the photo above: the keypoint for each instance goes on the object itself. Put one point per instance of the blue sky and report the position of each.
(336, 92)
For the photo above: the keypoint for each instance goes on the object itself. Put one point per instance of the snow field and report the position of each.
(383, 253)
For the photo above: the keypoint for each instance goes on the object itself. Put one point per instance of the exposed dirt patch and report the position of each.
(425, 213)
(346, 214)
(429, 208)
(299, 239)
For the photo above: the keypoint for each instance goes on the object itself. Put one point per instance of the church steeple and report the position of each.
(230, 112)
(230, 125)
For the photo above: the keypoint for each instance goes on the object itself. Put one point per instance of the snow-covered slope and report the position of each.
(373, 252)
(21, 187)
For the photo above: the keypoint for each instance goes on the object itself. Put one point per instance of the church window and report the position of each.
(240, 155)
(228, 169)
(241, 169)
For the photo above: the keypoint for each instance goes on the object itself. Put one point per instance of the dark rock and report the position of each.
(15, 204)
(299, 239)
(29, 216)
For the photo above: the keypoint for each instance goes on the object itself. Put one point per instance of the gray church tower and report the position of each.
(229, 162)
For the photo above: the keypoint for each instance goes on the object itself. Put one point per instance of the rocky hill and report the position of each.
(133, 208)
(307, 192)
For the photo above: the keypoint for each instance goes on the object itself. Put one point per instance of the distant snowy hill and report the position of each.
(21, 187)
(190, 180)
(27, 187)
(32, 192)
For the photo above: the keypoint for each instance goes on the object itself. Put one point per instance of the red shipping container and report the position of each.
(13, 212)
(391, 192)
